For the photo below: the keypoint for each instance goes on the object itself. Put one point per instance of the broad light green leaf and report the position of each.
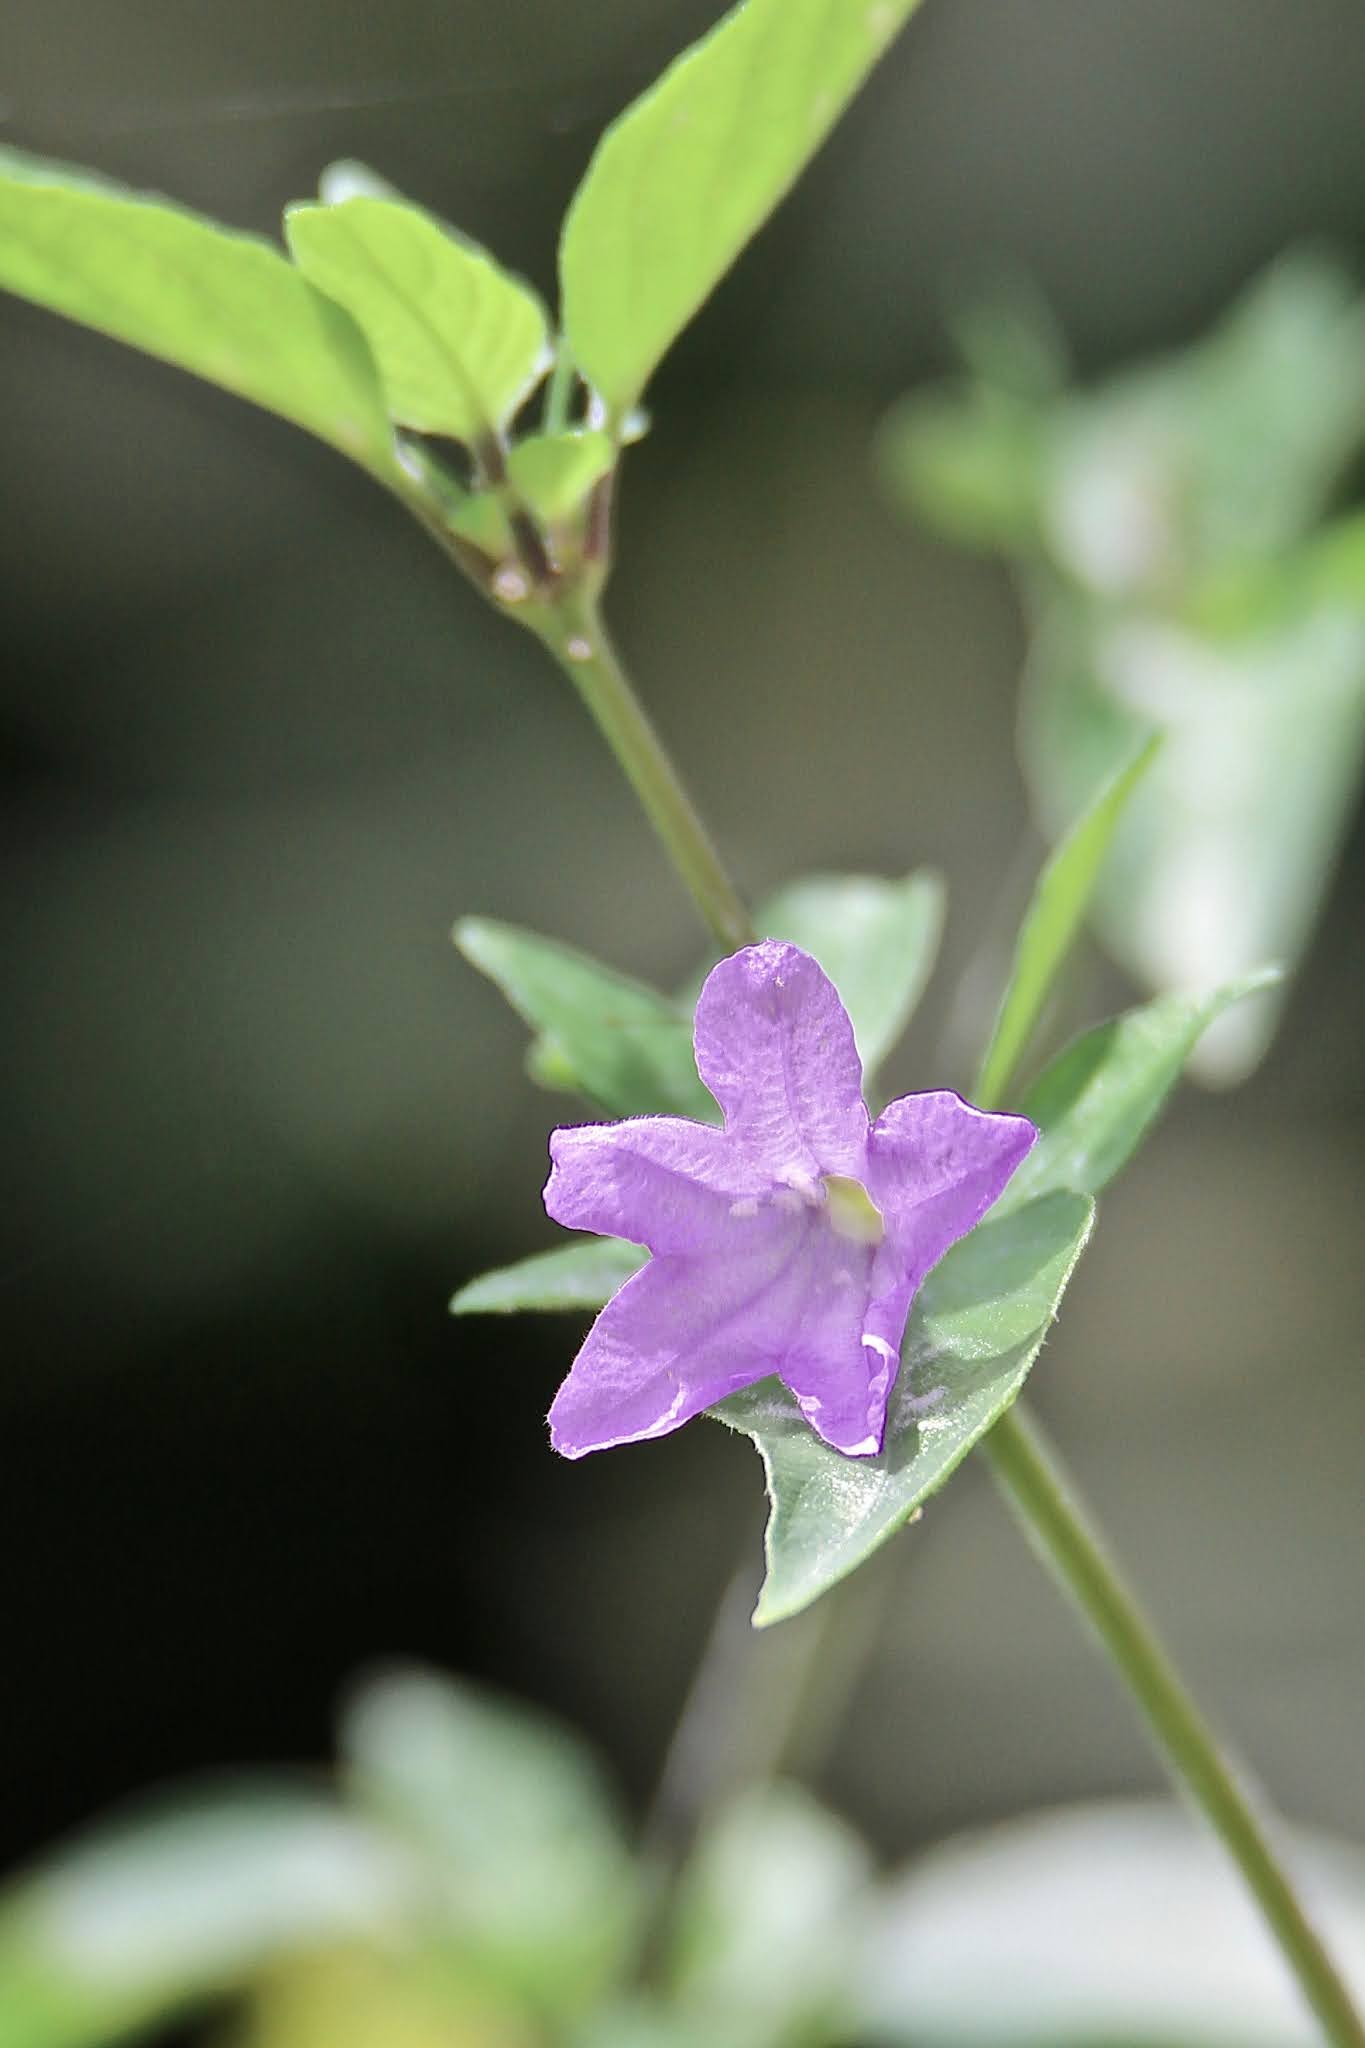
(138, 1922)
(1225, 452)
(459, 342)
(555, 472)
(1224, 854)
(975, 1329)
(627, 1047)
(770, 1918)
(523, 1851)
(876, 940)
(1051, 923)
(227, 306)
(687, 175)
(584, 1274)
(1109, 1924)
(1097, 1100)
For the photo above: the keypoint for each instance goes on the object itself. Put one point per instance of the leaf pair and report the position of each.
(391, 318)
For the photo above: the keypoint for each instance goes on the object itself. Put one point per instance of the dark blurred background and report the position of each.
(260, 749)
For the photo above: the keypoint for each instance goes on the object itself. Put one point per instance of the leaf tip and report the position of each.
(469, 936)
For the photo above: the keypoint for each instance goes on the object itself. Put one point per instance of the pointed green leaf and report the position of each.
(554, 473)
(126, 1928)
(876, 940)
(1051, 923)
(628, 1047)
(584, 1274)
(1095, 1103)
(688, 174)
(227, 306)
(459, 342)
(975, 1329)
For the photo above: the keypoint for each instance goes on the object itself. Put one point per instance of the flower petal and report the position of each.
(680, 1335)
(835, 1358)
(775, 1048)
(935, 1165)
(662, 1181)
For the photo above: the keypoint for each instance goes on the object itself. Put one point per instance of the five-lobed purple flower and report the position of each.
(790, 1242)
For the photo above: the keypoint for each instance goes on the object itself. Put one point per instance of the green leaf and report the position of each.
(628, 1048)
(1050, 925)
(975, 1329)
(139, 1921)
(481, 519)
(770, 1922)
(554, 473)
(584, 1274)
(970, 462)
(1112, 1924)
(876, 940)
(459, 342)
(1098, 1099)
(227, 306)
(508, 1812)
(687, 175)
(1226, 850)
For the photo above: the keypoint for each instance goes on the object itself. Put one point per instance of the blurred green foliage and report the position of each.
(1182, 569)
(468, 1884)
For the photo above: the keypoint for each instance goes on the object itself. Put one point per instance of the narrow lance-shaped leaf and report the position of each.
(975, 1329)
(627, 1047)
(1051, 924)
(459, 342)
(227, 306)
(581, 1275)
(688, 174)
(1097, 1100)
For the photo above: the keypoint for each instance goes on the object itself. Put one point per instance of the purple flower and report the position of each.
(790, 1242)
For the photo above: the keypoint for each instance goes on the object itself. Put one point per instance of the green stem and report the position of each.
(577, 638)
(1059, 1528)
(559, 390)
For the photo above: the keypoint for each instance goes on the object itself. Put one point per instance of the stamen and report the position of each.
(852, 1211)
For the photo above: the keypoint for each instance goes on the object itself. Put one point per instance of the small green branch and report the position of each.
(1059, 1529)
(575, 635)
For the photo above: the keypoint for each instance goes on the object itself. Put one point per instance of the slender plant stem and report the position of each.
(1055, 1522)
(559, 390)
(1060, 1529)
(579, 641)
